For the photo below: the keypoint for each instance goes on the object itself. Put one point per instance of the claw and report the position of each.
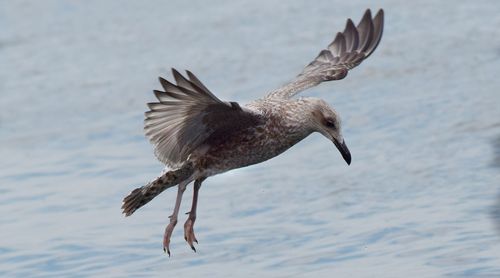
(166, 250)
(189, 233)
(168, 233)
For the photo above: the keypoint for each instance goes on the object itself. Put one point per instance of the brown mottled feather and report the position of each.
(142, 195)
(200, 135)
(186, 115)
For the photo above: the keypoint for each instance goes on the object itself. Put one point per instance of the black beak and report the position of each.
(346, 154)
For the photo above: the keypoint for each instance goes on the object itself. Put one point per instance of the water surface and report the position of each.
(421, 117)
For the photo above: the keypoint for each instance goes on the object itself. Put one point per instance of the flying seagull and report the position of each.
(198, 135)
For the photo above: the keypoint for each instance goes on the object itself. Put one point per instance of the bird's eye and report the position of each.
(330, 123)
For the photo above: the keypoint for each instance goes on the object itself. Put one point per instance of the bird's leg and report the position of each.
(173, 218)
(188, 226)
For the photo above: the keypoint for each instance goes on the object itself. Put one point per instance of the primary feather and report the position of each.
(347, 50)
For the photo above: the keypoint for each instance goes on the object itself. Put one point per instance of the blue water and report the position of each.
(421, 117)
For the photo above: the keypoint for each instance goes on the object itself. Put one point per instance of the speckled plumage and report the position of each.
(199, 135)
(282, 124)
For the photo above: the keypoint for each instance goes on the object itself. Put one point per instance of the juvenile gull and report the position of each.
(198, 135)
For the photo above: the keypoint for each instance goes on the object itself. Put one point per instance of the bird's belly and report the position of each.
(234, 154)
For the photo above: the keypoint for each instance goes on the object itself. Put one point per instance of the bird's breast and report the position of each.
(249, 146)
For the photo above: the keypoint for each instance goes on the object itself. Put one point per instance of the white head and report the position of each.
(325, 120)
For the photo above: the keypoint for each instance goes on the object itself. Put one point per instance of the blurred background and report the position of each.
(421, 117)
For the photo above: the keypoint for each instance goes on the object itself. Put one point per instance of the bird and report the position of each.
(197, 135)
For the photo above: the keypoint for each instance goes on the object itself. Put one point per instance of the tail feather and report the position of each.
(142, 195)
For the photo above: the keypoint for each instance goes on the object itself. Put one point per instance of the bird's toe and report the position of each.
(189, 233)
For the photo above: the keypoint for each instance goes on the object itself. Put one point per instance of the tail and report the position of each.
(142, 195)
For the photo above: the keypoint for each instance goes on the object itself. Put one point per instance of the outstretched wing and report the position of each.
(347, 50)
(186, 115)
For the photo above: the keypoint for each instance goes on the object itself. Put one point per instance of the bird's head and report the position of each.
(326, 121)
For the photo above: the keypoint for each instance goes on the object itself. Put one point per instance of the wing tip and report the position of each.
(367, 14)
(380, 12)
(349, 23)
(164, 83)
(378, 30)
(174, 71)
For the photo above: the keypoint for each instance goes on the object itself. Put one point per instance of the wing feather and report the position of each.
(185, 117)
(345, 52)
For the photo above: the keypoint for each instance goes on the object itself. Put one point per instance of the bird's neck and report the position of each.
(294, 121)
